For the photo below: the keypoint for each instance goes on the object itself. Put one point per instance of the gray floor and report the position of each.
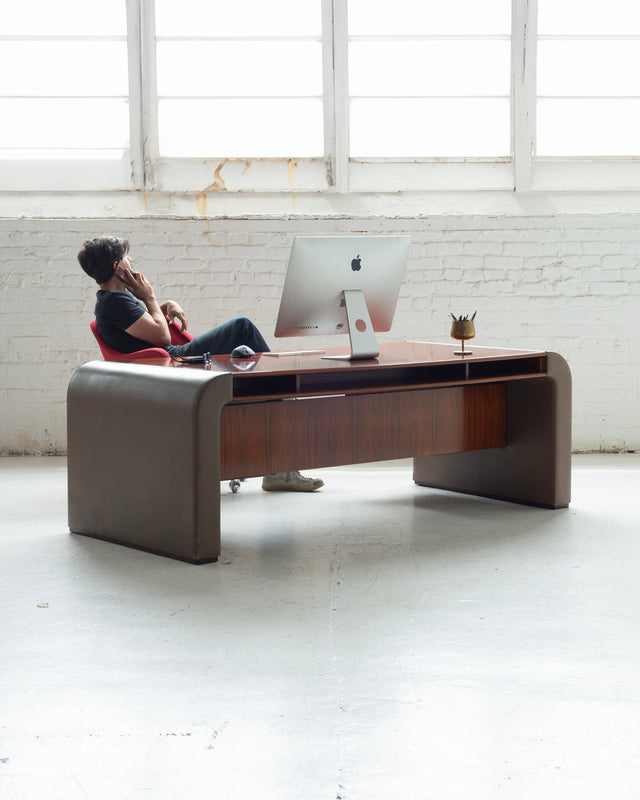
(374, 640)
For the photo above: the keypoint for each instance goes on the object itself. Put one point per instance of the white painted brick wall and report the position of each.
(568, 283)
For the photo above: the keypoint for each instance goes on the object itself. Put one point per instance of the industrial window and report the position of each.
(430, 80)
(64, 92)
(588, 78)
(239, 80)
(320, 95)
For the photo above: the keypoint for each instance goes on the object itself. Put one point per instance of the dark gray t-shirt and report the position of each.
(115, 312)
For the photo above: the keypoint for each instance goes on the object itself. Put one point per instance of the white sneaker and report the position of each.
(290, 482)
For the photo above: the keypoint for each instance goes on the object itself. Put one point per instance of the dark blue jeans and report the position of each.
(222, 340)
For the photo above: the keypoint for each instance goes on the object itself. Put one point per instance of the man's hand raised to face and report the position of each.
(136, 283)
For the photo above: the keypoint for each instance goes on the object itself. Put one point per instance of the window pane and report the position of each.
(590, 63)
(95, 18)
(192, 18)
(428, 17)
(64, 81)
(584, 17)
(429, 128)
(63, 68)
(418, 52)
(428, 68)
(237, 128)
(588, 127)
(239, 80)
(588, 68)
(114, 154)
(65, 124)
(232, 69)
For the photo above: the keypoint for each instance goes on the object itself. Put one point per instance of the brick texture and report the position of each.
(567, 283)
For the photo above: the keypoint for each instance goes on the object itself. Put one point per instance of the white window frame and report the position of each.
(335, 172)
(546, 173)
(75, 175)
(204, 175)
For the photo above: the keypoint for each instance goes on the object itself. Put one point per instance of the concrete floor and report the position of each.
(374, 640)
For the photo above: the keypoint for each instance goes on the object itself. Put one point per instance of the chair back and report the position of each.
(110, 354)
(178, 336)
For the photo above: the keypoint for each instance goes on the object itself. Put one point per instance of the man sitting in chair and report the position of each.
(129, 318)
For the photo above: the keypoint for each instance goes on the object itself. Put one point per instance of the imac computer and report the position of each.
(343, 284)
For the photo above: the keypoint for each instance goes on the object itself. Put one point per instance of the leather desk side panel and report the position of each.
(136, 457)
(535, 466)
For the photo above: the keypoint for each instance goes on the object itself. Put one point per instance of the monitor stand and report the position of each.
(363, 339)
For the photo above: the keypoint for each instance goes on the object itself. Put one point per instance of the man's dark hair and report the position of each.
(97, 256)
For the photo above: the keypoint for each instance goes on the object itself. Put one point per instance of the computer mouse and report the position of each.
(242, 351)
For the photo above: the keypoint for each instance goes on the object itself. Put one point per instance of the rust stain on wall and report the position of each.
(201, 202)
(291, 165)
(218, 184)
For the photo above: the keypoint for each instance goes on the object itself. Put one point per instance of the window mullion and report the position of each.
(136, 149)
(149, 92)
(328, 93)
(523, 90)
(340, 94)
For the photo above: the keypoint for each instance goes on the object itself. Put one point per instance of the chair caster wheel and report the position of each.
(234, 485)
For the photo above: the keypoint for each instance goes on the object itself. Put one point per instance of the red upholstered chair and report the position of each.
(109, 354)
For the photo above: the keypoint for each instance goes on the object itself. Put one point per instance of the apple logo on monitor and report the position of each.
(355, 264)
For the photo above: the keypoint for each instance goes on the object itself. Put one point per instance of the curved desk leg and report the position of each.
(535, 466)
(144, 457)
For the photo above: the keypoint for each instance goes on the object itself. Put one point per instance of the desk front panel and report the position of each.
(276, 436)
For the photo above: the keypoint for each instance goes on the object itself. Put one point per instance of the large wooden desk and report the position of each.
(149, 442)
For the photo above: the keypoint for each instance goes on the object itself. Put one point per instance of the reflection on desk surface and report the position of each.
(392, 354)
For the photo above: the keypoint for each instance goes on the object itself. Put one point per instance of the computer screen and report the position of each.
(343, 284)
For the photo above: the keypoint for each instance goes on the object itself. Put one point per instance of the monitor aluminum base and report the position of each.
(363, 339)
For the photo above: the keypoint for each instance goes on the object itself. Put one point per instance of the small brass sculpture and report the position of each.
(462, 328)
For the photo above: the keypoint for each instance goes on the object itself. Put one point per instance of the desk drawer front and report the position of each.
(259, 438)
